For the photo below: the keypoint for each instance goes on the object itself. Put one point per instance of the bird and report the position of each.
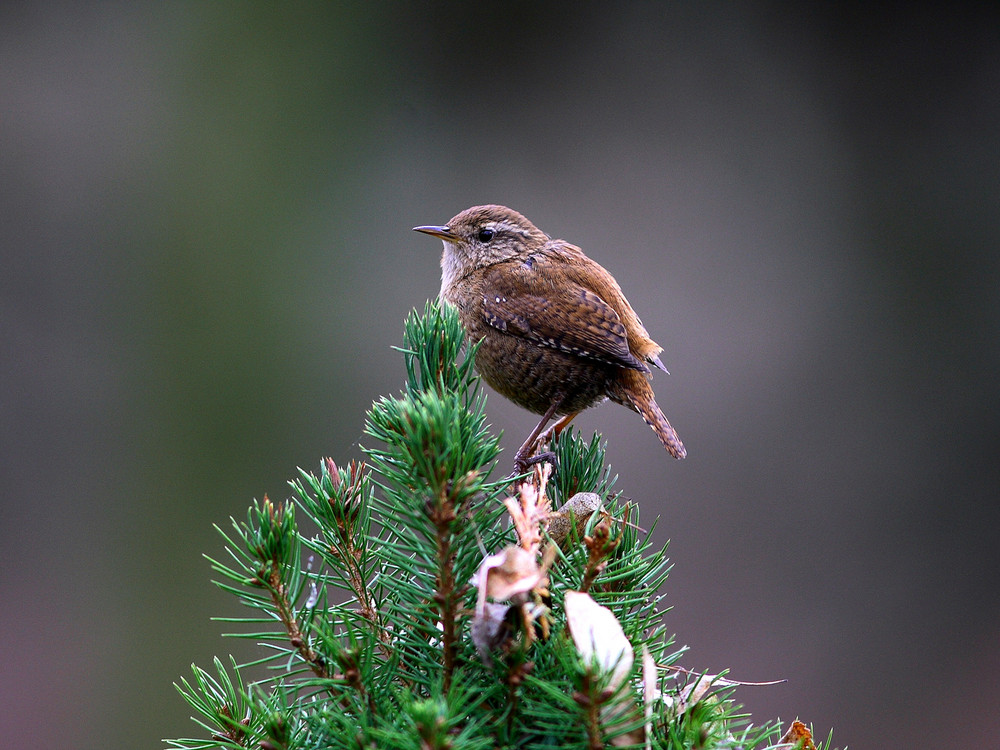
(555, 333)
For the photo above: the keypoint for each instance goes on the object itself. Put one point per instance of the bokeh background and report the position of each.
(206, 257)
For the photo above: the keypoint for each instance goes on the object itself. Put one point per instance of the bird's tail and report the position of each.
(634, 391)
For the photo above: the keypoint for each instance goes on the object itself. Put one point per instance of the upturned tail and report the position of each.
(634, 391)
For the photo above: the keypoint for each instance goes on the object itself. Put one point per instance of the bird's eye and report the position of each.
(485, 234)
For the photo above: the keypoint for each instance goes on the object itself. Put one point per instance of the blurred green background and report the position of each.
(206, 257)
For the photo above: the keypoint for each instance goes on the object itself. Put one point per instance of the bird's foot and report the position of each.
(523, 463)
(530, 453)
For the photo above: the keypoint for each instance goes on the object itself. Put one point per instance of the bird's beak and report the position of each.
(444, 233)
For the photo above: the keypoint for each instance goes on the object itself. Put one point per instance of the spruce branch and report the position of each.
(435, 607)
(600, 545)
(339, 501)
(274, 532)
(221, 703)
(449, 594)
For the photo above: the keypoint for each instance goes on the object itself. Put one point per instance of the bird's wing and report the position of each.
(520, 299)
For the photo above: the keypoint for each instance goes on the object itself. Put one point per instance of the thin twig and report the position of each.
(286, 613)
(443, 516)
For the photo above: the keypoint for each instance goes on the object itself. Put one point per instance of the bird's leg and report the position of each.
(545, 438)
(556, 430)
(525, 454)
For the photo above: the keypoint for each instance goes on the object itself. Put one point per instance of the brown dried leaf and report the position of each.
(512, 571)
(488, 629)
(691, 694)
(798, 735)
(505, 574)
(598, 635)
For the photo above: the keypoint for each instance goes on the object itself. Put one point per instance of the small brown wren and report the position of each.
(556, 334)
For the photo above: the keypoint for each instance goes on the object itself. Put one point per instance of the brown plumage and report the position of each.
(557, 334)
